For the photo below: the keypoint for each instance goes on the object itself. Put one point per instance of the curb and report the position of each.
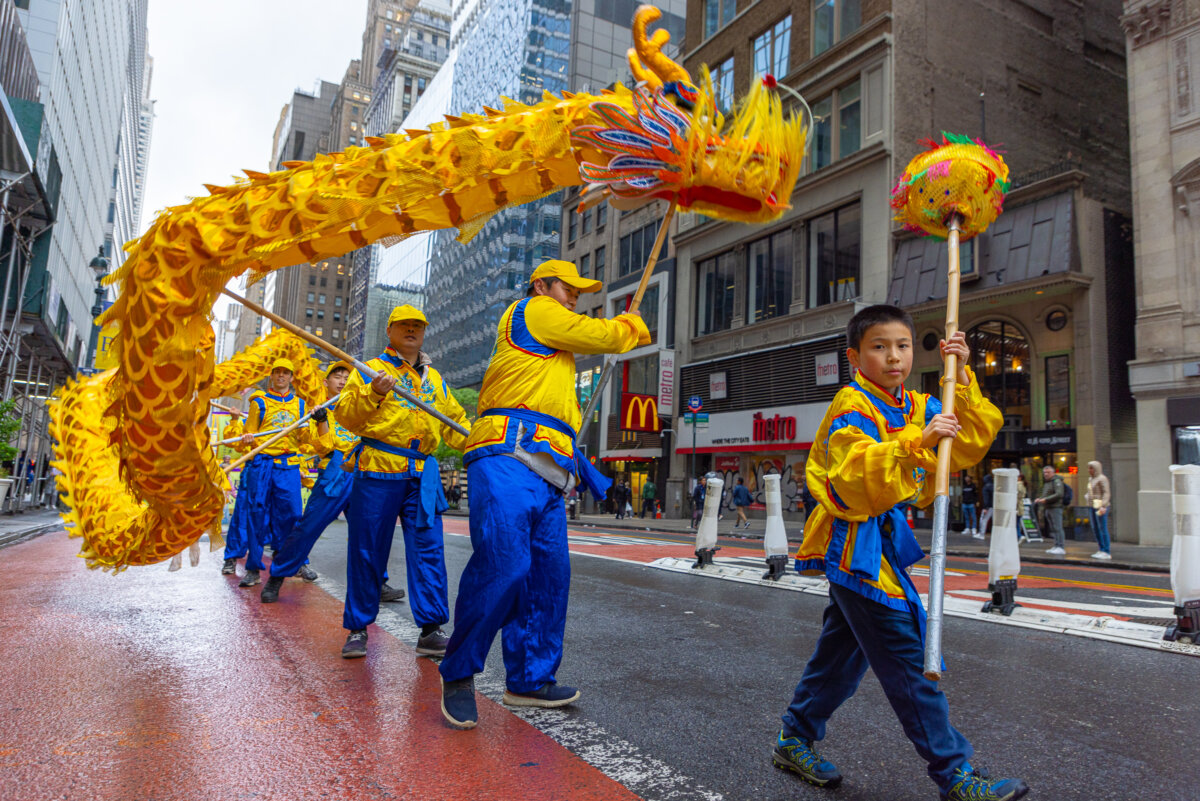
(20, 535)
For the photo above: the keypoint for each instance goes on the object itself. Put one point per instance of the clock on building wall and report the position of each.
(1056, 320)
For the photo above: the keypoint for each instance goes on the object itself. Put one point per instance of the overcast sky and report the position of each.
(223, 69)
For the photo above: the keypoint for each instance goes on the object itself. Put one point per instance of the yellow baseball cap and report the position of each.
(407, 312)
(286, 364)
(566, 272)
(338, 366)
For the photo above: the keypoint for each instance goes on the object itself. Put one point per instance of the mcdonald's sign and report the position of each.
(639, 412)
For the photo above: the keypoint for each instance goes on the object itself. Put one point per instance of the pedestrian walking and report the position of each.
(1050, 501)
(1099, 501)
(648, 497)
(274, 473)
(970, 498)
(987, 494)
(521, 458)
(1022, 496)
(871, 457)
(396, 478)
(741, 501)
(620, 499)
(698, 493)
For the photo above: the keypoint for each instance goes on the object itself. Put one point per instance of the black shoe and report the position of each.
(270, 591)
(458, 703)
(433, 643)
(390, 593)
(799, 756)
(250, 579)
(548, 696)
(229, 568)
(307, 573)
(356, 645)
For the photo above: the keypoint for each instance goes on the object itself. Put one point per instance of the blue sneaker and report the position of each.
(799, 756)
(548, 696)
(458, 703)
(970, 784)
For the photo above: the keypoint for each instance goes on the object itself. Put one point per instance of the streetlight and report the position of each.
(99, 266)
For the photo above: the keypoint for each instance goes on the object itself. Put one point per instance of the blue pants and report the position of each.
(859, 633)
(328, 499)
(275, 505)
(375, 503)
(969, 519)
(1100, 527)
(236, 543)
(517, 578)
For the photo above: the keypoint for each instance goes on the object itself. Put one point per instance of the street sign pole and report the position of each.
(695, 404)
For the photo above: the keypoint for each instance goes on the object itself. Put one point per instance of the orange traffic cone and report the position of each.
(908, 516)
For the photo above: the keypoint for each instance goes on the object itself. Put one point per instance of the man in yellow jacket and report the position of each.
(395, 476)
(274, 477)
(521, 458)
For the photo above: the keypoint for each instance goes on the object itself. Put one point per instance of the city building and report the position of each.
(308, 294)
(380, 302)
(760, 333)
(1163, 51)
(411, 90)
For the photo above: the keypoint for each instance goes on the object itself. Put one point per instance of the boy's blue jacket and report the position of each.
(865, 467)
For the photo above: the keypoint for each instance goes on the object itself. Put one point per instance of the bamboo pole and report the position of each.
(610, 360)
(941, 501)
(283, 432)
(346, 357)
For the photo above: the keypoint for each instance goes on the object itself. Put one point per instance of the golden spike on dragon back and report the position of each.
(664, 138)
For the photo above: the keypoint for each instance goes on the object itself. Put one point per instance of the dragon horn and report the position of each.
(649, 51)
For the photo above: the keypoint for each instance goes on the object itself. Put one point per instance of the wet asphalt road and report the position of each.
(695, 673)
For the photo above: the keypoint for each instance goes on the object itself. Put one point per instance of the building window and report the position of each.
(312, 280)
(337, 317)
(585, 264)
(322, 297)
(1000, 361)
(354, 140)
(420, 86)
(600, 263)
(572, 226)
(722, 78)
(718, 14)
(311, 297)
(837, 126)
(320, 314)
(771, 49)
(353, 125)
(334, 333)
(636, 247)
(586, 225)
(714, 293)
(388, 27)
(834, 256)
(337, 301)
(324, 280)
(1187, 445)
(320, 331)
(833, 21)
(601, 216)
(769, 269)
(1058, 391)
(339, 283)
(308, 313)
(308, 328)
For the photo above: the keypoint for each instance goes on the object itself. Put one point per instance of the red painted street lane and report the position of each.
(158, 685)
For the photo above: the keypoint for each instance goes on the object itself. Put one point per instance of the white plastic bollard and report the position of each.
(706, 531)
(1185, 553)
(1004, 555)
(775, 542)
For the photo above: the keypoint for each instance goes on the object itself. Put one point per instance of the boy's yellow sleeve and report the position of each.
(357, 404)
(321, 444)
(980, 421)
(869, 477)
(554, 325)
(235, 429)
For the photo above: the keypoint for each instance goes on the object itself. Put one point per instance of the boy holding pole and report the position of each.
(869, 461)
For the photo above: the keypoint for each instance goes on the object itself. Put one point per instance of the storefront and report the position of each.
(753, 444)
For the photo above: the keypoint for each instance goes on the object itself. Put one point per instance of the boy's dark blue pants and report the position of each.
(859, 633)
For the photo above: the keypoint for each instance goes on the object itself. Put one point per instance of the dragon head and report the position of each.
(677, 145)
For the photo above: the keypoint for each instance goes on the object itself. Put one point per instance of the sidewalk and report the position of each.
(1153, 558)
(18, 527)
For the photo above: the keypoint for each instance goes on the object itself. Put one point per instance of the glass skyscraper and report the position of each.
(517, 49)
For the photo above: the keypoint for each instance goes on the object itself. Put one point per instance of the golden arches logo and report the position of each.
(639, 413)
